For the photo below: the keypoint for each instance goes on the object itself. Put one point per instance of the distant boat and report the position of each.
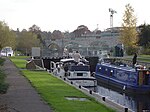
(7, 51)
(120, 76)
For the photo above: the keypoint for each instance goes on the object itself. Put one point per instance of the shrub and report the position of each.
(145, 51)
(132, 50)
(1, 61)
(3, 85)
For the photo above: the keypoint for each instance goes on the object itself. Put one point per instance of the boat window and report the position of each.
(79, 74)
(111, 72)
(106, 71)
(79, 68)
(99, 69)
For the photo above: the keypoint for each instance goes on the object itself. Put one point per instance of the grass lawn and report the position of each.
(54, 91)
(143, 58)
(20, 61)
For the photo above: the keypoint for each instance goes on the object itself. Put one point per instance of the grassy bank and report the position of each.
(3, 85)
(54, 91)
(143, 58)
(20, 61)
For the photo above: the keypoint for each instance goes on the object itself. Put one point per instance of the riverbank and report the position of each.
(20, 96)
(56, 93)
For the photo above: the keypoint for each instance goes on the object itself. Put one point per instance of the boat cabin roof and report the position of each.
(121, 67)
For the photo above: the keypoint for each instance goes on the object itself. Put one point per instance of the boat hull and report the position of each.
(122, 86)
(85, 82)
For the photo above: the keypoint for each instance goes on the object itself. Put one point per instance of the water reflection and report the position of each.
(137, 103)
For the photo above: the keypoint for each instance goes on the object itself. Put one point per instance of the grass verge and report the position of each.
(54, 91)
(142, 58)
(20, 61)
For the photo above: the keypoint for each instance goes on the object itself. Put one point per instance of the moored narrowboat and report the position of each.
(123, 77)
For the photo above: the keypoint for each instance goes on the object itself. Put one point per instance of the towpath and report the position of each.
(21, 96)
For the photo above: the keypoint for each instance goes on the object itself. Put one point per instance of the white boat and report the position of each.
(61, 68)
(81, 74)
(76, 72)
(7, 51)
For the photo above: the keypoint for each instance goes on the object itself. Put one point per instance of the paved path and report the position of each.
(21, 96)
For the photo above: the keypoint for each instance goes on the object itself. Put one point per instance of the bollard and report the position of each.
(126, 109)
(79, 86)
(103, 98)
(90, 91)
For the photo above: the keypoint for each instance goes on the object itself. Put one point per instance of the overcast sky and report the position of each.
(67, 15)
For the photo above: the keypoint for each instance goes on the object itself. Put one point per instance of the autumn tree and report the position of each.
(7, 36)
(129, 34)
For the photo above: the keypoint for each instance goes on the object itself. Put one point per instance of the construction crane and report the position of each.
(111, 16)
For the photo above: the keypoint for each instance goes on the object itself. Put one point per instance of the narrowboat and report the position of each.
(123, 77)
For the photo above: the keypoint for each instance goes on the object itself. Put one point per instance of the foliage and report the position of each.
(7, 37)
(27, 40)
(131, 50)
(34, 28)
(54, 92)
(57, 34)
(144, 35)
(81, 30)
(37, 31)
(129, 34)
(1, 61)
(145, 50)
(3, 85)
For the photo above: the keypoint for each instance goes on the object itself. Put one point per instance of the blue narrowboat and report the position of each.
(123, 77)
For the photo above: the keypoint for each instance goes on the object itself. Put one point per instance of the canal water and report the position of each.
(137, 103)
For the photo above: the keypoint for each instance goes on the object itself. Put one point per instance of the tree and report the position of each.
(37, 31)
(34, 28)
(144, 38)
(7, 37)
(27, 40)
(81, 30)
(144, 35)
(57, 34)
(129, 34)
